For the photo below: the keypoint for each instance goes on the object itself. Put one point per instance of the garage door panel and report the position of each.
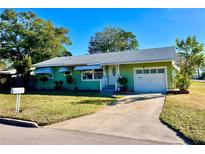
(154, 81)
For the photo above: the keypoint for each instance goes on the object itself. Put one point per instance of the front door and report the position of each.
(112, 74)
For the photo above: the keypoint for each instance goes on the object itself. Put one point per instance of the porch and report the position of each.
(109, 82)
(85, 77)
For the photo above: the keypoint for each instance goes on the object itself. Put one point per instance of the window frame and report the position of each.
(49, 78)
(156, 72)
(146, 69)
(160, 69)
(139, 70)
(93, 75)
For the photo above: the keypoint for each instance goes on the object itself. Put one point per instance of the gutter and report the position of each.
(134, 62)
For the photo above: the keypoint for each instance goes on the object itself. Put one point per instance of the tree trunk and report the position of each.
(198, 73)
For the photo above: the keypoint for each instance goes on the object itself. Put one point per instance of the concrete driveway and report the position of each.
(135, 116)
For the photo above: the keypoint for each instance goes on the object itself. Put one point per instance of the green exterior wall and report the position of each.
(82, 85)
(126, 70)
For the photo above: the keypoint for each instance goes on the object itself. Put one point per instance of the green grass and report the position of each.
(53, 106)
(186, 113)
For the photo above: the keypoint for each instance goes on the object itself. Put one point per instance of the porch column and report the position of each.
(104, 70)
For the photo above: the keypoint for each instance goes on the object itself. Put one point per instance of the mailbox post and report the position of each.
(18, 92)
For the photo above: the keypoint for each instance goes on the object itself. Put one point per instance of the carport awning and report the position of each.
(64, 69)
(44, 71)
(87, 67)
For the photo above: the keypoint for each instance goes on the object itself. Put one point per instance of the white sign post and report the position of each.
(18, 92)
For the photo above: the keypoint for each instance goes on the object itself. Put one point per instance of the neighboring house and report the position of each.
(147, 70)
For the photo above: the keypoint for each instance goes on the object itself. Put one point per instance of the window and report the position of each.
(161, 70)
(153, 71)
(49, 76)
(146, 71)
(138, 71)
(92, 74)
(98, 74)
(87, 75)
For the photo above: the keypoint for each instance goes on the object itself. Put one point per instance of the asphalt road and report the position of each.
(12, 135)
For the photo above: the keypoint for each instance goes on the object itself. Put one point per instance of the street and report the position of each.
(13, 135)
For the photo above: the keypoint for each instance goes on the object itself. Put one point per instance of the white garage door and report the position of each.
(150, 80)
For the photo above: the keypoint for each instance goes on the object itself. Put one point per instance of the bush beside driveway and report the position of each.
(186, 113)
(47, 107)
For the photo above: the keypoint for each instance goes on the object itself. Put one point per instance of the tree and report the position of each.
(23, 66)
(2, 65)
(189, 51)
(65, 53)
(112, 39)
(200, 63)
(24, 34)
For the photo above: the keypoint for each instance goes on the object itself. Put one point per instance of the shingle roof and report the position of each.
(142, 55)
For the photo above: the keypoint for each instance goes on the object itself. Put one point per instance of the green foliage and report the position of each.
(189, 53)
(203, 74)
(2, 65)
(69, 79)
(24, 34)
(182, 82)
(4, 81)
(185, 113)
(112, 39)
(47, 107)
(200, 62)
(23, 66)
(58, 85)
(44, 79)
(123, 81)
(65, 53)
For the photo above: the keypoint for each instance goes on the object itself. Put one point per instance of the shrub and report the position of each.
(123, 82)
(69, 79)
(182, 82)
(44, 79)
(58, 85)
(5, 82)
(203, 75)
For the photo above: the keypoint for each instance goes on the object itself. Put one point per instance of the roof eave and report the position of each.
(116, 63)
(154, 61)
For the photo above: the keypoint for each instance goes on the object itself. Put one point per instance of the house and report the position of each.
(147, 70)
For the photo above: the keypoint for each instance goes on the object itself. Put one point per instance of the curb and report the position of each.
(17, 122)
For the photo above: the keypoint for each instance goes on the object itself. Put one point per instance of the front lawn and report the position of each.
(52, 106)
(186, 113)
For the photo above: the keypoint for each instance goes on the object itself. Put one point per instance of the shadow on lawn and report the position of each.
(67, 93)
(97, 102)
(180, 134)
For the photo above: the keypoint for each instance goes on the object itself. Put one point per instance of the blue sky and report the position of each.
(152, 27)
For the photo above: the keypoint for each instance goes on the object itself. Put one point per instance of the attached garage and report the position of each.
(146, 70)
(150, 79)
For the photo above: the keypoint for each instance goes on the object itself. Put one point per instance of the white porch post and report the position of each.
(104, 71)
